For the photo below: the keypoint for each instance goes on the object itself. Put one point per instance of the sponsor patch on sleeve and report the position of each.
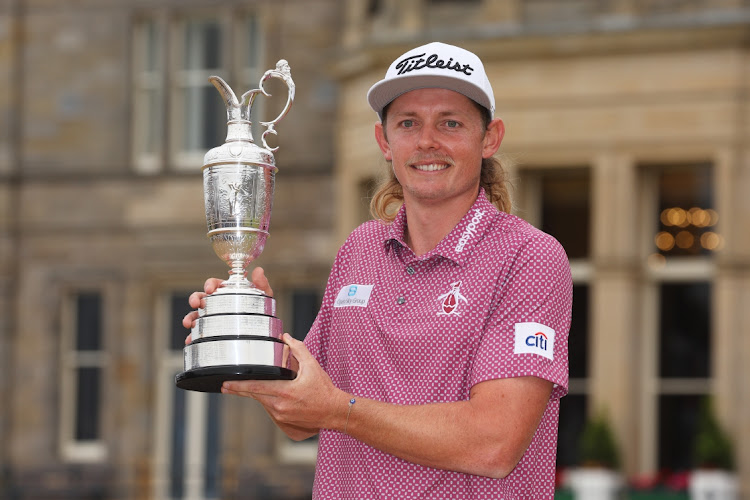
(353, 296)
(535, 338)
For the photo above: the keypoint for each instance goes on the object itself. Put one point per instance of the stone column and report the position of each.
(614, 324)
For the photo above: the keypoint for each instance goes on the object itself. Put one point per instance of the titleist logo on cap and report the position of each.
(418, 61)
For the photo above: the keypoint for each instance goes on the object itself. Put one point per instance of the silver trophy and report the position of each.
(237, 335)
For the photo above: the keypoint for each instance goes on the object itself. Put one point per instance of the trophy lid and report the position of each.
(239, 146)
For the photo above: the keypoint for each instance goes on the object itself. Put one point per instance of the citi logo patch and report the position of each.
(535, 338)
(353, 296)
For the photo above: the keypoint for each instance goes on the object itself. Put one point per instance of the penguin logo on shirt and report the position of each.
(449, 301)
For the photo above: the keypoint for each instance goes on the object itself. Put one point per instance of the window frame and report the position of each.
(169, 81)
(71, 448)
(288, 451)
(581, 268)
(656, 272)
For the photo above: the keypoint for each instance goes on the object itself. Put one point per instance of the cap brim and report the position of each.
(386, 90)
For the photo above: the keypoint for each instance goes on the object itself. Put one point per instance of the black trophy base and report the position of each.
(210, 379)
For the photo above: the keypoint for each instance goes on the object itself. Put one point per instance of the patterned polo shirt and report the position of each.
(492, 300)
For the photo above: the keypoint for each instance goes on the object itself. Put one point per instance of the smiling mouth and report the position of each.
(432, 167)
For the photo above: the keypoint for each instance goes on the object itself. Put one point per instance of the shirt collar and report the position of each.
(460, 242)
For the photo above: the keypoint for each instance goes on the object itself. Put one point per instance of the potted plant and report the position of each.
(713, 455)
(597, 478)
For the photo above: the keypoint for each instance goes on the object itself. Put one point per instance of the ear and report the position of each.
(493, 137)
(383, 142)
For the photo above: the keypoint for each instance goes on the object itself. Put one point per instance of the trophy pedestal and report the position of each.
(210, 379)
(236, 337)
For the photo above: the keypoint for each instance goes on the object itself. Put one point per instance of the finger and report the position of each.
(189, 319)
(248, 388)
(211, 285)
(259, 279)
(196, 300)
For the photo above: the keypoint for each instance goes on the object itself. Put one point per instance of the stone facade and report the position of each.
(77, 214)
(614, 87)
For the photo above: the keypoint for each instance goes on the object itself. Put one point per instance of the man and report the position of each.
(436, 363)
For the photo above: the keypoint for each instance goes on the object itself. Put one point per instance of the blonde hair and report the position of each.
(389, 194)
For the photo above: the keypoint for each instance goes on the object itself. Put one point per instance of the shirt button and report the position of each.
(410, 270)
(400, 300)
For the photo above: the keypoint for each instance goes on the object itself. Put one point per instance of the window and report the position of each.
(305, 304)
(197, 104)
(83, 364)
(149, 95)
(682, 237)
(188, 435)
(558, 202)
(178, 114)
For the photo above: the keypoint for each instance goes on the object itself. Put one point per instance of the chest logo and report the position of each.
(449, 301)
(353, 296)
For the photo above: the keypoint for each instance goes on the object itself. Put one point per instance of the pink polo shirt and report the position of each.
(492, 300)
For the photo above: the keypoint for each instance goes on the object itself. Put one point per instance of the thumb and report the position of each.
(258, 277)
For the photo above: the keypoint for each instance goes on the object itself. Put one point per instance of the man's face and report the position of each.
(436, 140)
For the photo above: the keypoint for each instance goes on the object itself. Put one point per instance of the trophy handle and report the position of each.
(282, 72)
(238, 110)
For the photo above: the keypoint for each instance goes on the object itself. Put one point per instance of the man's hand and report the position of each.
(302, 406)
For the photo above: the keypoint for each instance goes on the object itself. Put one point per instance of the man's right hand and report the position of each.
(197, 299)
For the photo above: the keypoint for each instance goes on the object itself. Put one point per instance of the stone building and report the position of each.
(106, 115)
(626, 138)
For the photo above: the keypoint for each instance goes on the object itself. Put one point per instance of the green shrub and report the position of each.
(712, 447)
(597, 446)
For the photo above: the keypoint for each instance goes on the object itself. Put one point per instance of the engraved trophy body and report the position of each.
(237, 335)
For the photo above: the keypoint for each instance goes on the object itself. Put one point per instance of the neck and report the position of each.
(428, 224)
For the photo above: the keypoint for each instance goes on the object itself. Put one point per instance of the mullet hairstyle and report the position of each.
(389, 194)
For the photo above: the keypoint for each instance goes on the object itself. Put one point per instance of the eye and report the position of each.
(407, 123)
(451, 124)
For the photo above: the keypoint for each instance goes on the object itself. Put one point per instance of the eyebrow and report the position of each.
(409, 114)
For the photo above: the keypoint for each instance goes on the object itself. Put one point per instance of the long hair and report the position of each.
(389, 194)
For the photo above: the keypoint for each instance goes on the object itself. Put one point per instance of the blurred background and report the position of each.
(627, 138)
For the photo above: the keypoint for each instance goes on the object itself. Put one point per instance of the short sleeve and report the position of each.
(527, 328)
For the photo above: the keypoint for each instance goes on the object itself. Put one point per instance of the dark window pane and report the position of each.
(686, 215)
(88, 321)
(87, 398)
(177, 455)
(253, 51)
(179, 307)
(202, 45)
(213, 447)
(684, 342)
(578, 339)
(566, 210)
(305, 304)
(205, 119)
(678, 421)
(572, 418)
(214, 128)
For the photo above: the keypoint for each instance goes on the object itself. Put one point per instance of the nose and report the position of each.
(428, 139)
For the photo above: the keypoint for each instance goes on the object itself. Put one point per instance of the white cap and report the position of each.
(435, 65)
